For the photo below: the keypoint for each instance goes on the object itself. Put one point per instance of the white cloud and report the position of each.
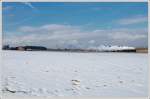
(63, 35)
(74, 42)
(30, 5)
(133, 20)
(127, 36)
(91, 41)
(49, 28)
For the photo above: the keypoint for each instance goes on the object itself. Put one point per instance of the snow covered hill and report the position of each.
(111, 48)
(74, 74)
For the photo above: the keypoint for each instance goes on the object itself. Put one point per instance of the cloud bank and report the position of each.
(64, 36)
(133, 20)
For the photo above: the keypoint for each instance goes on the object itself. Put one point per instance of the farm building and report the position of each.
(142, 50)
(29, 48)
(34, 48)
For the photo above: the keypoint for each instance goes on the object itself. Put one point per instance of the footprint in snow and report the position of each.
(12, 77)
(87, 88)
(46, 71)
(132, 80)
(75, 82)
(120, 82)
(40, 90)
(56, 91)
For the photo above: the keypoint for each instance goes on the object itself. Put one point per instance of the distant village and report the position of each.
(42, 48)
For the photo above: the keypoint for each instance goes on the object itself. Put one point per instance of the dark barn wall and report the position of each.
(34, 48)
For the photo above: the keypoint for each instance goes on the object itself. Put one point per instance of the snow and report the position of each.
(111, 48)
(35, 73)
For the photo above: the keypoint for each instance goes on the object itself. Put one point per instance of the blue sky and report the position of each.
(75, 24)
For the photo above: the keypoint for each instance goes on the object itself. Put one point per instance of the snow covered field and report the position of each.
(74, 74)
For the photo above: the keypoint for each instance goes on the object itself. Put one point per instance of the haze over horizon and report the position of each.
(77, 25)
